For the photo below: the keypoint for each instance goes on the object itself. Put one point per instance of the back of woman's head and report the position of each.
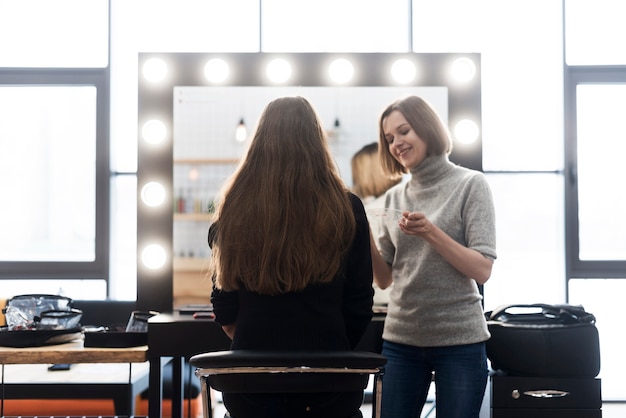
(285, 219)
(424, 121)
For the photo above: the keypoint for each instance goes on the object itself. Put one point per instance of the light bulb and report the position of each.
(153, 256)
(241, 133)
(216, 70)
(341, 71)
(155, 70)
(466, 131)
(463, 70)
(335, 132)
(153, 194)
(403, 71)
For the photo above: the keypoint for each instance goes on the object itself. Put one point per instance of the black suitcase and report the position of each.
(536, 397)
(543, 340)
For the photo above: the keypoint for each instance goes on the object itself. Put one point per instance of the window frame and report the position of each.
(97, 269)
(573, 77)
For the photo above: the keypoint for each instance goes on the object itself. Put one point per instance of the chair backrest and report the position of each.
(249, 371)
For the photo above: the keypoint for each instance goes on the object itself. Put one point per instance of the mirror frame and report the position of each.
(156, 101)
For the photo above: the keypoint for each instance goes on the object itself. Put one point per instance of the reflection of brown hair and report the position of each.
(285, 220)
(424, 121)
(368, 178)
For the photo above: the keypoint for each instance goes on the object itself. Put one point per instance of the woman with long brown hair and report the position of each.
(291, 253)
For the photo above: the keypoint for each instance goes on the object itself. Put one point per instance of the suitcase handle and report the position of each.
(542, 393)
(542, 312)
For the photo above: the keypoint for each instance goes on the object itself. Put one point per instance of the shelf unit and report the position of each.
(197, 182)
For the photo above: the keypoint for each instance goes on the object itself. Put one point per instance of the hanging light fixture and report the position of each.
(241, 133)
(335, 133)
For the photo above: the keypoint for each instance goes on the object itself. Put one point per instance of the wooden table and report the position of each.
(122, 392)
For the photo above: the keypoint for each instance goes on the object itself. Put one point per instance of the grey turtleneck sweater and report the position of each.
(431, 303)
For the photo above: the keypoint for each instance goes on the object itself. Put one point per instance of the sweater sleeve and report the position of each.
(479, 215)
(358, 292)
(225, 306)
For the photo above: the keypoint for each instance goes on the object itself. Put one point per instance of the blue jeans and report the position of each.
(460, 374)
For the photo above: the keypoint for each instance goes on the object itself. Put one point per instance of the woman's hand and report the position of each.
(415, 223)
(466, 260)
(380, 268)
(230, 330)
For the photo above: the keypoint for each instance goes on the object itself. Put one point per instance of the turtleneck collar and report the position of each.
(431, 169)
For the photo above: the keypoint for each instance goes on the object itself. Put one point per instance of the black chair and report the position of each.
(248, 371)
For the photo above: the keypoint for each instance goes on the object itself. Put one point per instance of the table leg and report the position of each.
(2, 399)
(124, 406)
(155, 398)
(178, 388)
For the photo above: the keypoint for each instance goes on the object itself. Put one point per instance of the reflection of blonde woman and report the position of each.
(370, 184)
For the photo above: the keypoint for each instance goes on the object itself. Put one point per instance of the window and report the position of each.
(54, 34)
(48, 174)
(53, 147)
(595, 93)
(600, 147)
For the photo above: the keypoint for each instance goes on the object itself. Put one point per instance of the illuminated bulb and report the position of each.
(154, 70)
(154, 132)
(153, 256)
(341, 70)
(463, 69)
(241, 133)
(403, 71)
(216, 70)
(466, 131)
(278, 70)
(153, 194)
(193, 174)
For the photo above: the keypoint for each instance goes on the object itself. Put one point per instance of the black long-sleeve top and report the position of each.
(330, 316)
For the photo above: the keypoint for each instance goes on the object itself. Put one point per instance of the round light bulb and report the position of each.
(403, 71)
(154, 132)
(463, 69)
(466, 131)
(153, 256)
(278, 70)
(154, 70)
(153, 194)
(341, 70)
(216, 70)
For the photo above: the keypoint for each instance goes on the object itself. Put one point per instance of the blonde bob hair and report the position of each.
(368, 178)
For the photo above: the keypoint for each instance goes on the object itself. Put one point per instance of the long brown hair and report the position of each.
(285, 220)
(424, 121)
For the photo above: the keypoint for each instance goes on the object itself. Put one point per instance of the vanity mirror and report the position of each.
(193, 106)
